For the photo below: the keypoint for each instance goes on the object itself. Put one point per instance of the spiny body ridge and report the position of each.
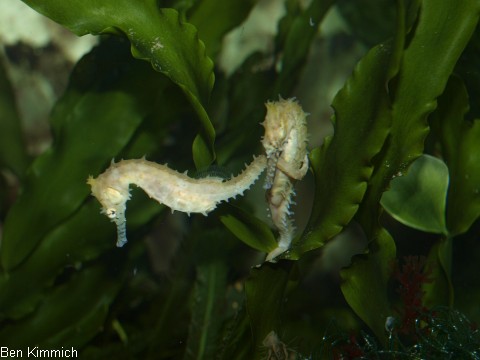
(285, 144)
(176, 190)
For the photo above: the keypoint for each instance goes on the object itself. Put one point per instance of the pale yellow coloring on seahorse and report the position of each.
(176, 190)
(285, 144)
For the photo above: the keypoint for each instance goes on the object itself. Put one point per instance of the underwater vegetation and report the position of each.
(383, 260)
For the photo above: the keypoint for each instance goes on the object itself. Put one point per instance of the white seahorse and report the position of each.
(176, 190)
(285, 143)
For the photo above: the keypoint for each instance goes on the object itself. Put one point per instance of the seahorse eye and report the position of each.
(111, 213)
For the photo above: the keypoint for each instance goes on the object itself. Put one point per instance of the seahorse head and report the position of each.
(113, 200)
(279, 121)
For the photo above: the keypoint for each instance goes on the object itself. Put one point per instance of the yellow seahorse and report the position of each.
(176, 190)
(285, 144)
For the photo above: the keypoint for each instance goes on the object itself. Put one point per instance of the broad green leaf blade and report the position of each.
(69, 316)
(252, 231)
(461, 149)
(370, 21)
(418, 199)
(245, 92)
(301, 29)
(81, 238)
(343, 165)
(201, 152)
(109, 96)
(265, 291)
(439, 291)
(442, 28)
(365, 283)
(236, 339)
(202, 147)
(368, 213)
(373, 21)
(174, 305)
(157, 35)
(467, 69)
(214, 18)
(12, 149)
(208, 298)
